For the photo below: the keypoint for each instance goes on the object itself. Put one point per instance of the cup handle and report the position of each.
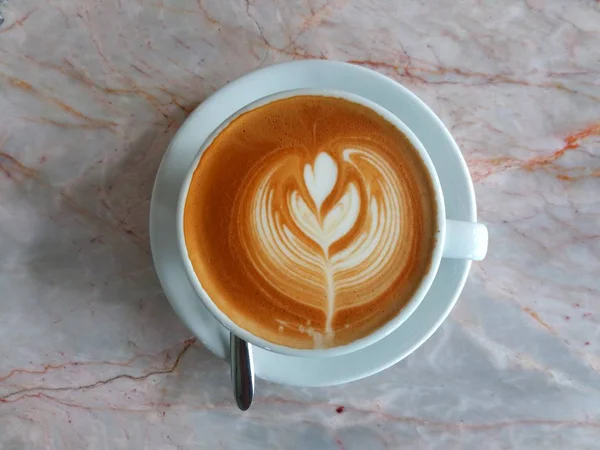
(465, 240)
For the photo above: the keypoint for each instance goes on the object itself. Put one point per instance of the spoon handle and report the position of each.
(242, 372)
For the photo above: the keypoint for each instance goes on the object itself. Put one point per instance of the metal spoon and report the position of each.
(242, 371)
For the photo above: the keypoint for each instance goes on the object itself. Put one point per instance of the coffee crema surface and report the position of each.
(310, 221)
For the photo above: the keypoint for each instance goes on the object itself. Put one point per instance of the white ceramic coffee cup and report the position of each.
(454, 239)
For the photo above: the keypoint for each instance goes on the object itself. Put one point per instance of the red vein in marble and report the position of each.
(418, 73)
(29, 88)
(49, 367)
(434, 423)
(187, 344)
(482, 169)
(69, 70)
(32, 174)
(19, 22)
(538, 319)
(375, 413)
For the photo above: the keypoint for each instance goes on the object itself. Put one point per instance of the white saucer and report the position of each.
(453, 174)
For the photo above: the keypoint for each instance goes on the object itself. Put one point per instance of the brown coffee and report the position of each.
(310, 221)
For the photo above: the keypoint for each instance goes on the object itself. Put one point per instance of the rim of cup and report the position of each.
(386, 328)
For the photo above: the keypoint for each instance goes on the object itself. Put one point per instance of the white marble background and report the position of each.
(91, 354)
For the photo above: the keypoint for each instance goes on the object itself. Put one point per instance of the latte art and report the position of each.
(309, 221)
(295, 250)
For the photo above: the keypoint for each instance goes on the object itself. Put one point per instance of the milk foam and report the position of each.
(284, 256)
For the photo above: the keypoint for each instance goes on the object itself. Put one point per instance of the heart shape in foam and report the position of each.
(324, 228)
(320, 178)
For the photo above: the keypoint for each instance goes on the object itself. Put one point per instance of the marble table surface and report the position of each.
(92, 355)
